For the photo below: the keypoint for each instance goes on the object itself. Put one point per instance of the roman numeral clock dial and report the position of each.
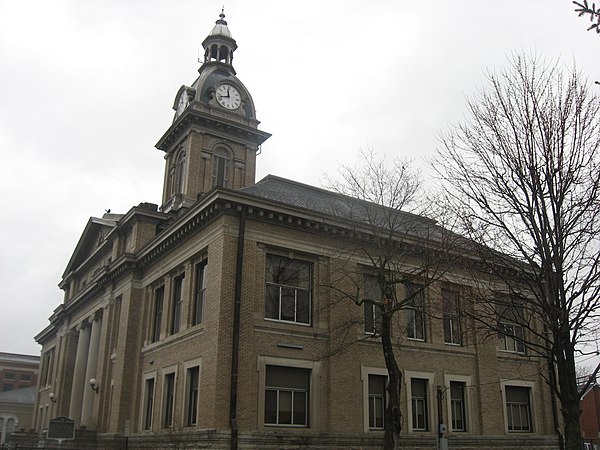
(228, 96)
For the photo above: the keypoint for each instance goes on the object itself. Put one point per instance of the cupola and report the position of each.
(219, 45)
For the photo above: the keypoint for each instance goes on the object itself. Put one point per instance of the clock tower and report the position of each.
(214, 137)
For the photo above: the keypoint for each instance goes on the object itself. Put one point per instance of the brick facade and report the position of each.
(132, 293)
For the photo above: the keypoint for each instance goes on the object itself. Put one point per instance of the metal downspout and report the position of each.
(235, 346)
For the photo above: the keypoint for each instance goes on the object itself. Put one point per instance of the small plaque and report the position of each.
(61, 428)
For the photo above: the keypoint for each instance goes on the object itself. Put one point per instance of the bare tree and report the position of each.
(523, 175)
(391, 257)
(593, 12)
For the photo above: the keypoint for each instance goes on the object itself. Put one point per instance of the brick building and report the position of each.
(18, 378)
(209, 320)
(18, 371)
(590, 415)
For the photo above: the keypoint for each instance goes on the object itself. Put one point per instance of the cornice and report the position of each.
(218, 202)
(219, 125)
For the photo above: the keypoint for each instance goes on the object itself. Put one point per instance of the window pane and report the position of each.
(419, 325)
(418, 387)
(517, 394)
(149, 403)
(272, 302)
(270, 406)
(288, 304)
(410, 323)
(303, 306)
(199, 293)
(379, 411)
(370, 318)
(286, 377)
(285, 407)
(377, 384)
(300, 408)
(158, 308)
(451, 316)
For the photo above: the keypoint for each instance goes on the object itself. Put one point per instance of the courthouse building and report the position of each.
(209, 320)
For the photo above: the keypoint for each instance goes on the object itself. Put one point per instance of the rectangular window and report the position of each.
(510, 327)
(220, 170)
(199, 293)
(512, 337)
(420, 413)
(415, 312)
(159, 295)
(457, 405)
(287, 396)
(176, 306)
(149, 404)
(372, 312)
(288, 290)
(452, 334)
(9, 376)
(518, 408)
(372, 318)
(25, 377)
(193, 376)
(169, 393)
(377, 401)
(116, 322)
(47, 367)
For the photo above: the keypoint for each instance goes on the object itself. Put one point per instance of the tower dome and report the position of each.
(219, 45)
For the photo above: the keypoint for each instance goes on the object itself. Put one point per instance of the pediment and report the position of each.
(91, 239)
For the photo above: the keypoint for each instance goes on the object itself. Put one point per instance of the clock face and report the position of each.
(184, 101)
(228, 96)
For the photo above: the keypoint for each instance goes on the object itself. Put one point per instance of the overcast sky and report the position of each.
(86, 90)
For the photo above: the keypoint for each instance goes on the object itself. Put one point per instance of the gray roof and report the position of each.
(25, 396)
(338, 206)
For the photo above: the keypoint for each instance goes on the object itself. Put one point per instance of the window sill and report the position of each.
(509, 353)
(280, 426)
(288, 322)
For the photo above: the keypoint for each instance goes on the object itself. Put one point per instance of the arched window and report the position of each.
(10, 426)
(221, 168)
(179, 171)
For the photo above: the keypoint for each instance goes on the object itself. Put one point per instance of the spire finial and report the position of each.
(221, 20)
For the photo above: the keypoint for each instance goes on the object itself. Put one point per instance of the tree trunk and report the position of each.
(569, 397)
(393, 415)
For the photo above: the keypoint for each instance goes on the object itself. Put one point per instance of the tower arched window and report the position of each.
(10, 425)
(214, 53)
(179, 171)
(221, 168)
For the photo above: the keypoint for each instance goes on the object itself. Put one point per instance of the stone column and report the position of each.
(88, 393)
(79, 382)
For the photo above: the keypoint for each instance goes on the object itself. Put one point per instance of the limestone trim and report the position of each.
(531, 385)
(408, 376)
(365, 371)
(197, 362)
(142, 413)
(468, 400)
(314, 389)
